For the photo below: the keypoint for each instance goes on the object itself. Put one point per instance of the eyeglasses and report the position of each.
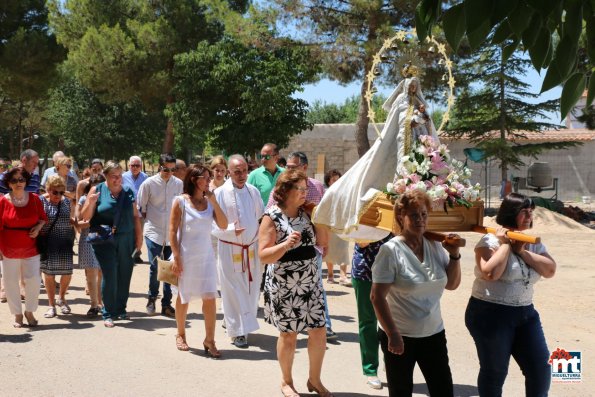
(165, 169)
(293, 167)
(210, 178)
(18, 180)
(58, 192)
(134, 165)
(301, 189)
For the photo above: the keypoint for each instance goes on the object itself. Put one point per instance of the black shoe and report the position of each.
(151, 306)
(138, 260)
(168, 311)
(93, 312)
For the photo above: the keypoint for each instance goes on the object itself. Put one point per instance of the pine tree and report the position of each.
(496, 114)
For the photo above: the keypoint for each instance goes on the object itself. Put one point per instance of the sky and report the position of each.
(331, 92)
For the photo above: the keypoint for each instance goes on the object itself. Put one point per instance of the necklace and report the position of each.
(19, 202)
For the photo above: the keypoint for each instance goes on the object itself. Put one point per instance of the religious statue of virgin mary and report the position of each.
(349, 198)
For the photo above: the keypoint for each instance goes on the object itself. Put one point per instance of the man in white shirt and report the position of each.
(155, 197)
(238, 264)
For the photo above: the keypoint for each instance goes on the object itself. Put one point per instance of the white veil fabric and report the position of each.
(348, 199)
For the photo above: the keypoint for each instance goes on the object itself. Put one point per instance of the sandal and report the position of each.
(31, 321)
(51, 312)
(18, 321)
(109, 323)
(211, 350)
(181, 343)
(289, 391)
(64, 308)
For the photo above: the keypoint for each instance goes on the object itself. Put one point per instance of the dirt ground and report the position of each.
(72, 355)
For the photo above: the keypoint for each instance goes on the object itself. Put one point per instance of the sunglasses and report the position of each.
(18, 180)
(58, 192)
(210, 178)
(301, 189)
(165, 169)
(6, 166)
(265, 156)
(134, 165)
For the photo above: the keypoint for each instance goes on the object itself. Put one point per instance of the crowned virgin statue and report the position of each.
(349, 198)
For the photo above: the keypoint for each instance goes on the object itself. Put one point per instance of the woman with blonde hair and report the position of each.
(110, 204)
(63, 166)
(218, 168)
(60, 236)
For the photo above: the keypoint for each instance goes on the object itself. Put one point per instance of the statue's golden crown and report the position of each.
(410, 71)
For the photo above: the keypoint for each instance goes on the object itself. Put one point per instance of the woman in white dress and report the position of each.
(191, 219)
(345, 201)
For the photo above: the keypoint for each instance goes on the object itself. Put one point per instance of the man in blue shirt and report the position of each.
(29, 161)
(134, 176)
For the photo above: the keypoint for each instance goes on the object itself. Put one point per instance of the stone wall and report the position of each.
(574, 167)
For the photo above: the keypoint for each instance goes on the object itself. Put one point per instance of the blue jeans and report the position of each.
(154, 252)
(501, 331)
(326, 315)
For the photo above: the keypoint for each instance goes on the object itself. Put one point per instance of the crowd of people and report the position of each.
(236, 233)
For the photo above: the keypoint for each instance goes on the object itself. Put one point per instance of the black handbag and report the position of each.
(43, 244)
(104, 234)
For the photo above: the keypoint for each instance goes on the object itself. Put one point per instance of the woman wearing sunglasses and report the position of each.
(60, 234)
(21, 218)
(63, 166)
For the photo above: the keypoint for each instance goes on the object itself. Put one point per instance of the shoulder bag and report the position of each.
(104, 234)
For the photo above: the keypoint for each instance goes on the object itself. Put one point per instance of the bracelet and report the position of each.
(455, 258)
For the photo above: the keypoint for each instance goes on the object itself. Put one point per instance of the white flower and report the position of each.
(390, 187)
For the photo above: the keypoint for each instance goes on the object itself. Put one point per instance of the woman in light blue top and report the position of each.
(409, 276)
(500, 315)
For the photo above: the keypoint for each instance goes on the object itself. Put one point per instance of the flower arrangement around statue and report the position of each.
(430, 168)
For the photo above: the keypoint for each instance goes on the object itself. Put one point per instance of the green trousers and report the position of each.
(116, 265)
(368, 327)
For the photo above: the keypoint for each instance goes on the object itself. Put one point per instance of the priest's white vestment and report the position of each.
(237, 262)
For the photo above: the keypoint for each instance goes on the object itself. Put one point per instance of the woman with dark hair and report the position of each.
(110, 204)
(293, 300)
(500, 315)
(87, 258)
(190, 225)
(21, 219)
(409, 275)
(60, 237)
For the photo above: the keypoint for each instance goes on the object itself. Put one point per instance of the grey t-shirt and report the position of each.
(515, 286)
(416, 287)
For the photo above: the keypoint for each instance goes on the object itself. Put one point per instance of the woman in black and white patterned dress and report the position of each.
(293, 290)
(60, 243)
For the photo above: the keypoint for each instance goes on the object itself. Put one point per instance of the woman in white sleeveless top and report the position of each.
(194, 259)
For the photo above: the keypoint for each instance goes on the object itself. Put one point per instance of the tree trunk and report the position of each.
(504, 163)
(361, 126)
(168, 142)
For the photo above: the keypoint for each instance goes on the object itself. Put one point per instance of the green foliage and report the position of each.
(531, 22)
(496, 114)
(28, 51)
(89, 128)
(240, 96)
(345, 113)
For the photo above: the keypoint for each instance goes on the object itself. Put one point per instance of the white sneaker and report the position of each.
(374, 382)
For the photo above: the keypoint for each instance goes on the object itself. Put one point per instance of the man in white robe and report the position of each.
(238, 264)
